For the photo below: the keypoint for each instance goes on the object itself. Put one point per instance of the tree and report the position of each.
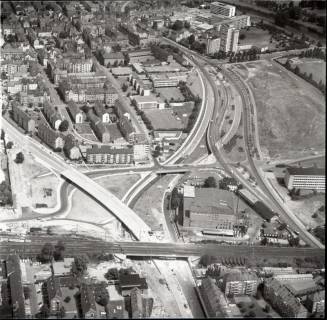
(117, 47)
(178, 25)
(156, 152)
(5, 193)
(79, 265)
(44, 312)
(187, 25)
(46, 254)
(19, 158)
(242, 36)
(294, 242)
(282, 226)
(264, 241)
(102, 296)
(9, 144)
(176, 198)
(116, 63)
(59, 249)
(205, 260)
(124, 87)
(64, 125)
(210, 182)
(112, 274)
(191, 39)
(266, 308)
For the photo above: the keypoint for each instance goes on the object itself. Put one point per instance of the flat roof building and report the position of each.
(222, 9)
(311, 178)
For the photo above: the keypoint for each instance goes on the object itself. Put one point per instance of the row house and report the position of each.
(282, 300)
(23, 119)
(106, 154)
(76, 112)
(34, 97)
(106, 95)
(105, 113)
(124, 123)
(53, 115)
(52, 138)
(14, 66)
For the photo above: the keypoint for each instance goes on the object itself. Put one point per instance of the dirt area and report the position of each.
(117, 184)
(149, 205)
(235, 149)
(306, 208)
(194, 83)
(44, 190)
(291, 114)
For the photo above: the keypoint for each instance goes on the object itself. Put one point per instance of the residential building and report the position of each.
(51, 137)
(99, 128)
(166, 80)
(141, 152)
(23, 119)
(222, 9)
(179, 35)
(90, 308)
(109, 155)
(240, 283)
(315, 302)
(311, 178)
(111, 58)
(281, 299)
(71, 148)
(215, 302)
(76, 112)
(139, 56)
(140, 307)
(213, 45)
(105, 113)
(229, 38)
(208, 208)
(53, 115)
(124, 122)
(127, 282)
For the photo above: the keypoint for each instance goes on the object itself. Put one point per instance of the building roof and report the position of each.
(309, 171)
(263, 210)
(240, 276)
(210, 200)
(146, 99)
(102, 149)
(132, 280)
(189, 191)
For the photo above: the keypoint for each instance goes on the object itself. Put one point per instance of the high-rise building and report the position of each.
(229, 38)
(222, 9)
(213, 45)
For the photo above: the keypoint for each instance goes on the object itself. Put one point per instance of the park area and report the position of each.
(291, 112)
(86, 209)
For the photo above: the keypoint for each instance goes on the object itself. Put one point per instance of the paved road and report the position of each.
(127, 216)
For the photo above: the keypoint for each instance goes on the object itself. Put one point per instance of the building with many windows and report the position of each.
(312, 178)
(107, 154)
(240, 283)
(222, 9)
(229, 35)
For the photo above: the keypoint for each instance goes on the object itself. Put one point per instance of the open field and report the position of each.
(86, 209)
(194, 83)
(149, 205)
(291, 113)
(163, 119)
(183, 112)
(168, 93)
(314, 66)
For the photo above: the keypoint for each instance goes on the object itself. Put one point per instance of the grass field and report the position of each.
(291, 113)
(164, 119)
(314, 66)
(168, 93)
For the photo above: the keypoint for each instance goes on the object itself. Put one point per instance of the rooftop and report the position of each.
(309, 171)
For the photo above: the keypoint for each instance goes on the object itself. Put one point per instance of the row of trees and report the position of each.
(313, 53)
(50, 252)
(144, 117)
(179, 25)
(319, 85)
(5, 194)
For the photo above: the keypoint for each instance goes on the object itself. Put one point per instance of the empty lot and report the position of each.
(291, 112)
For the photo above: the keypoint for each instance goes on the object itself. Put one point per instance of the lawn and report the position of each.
(168, 93)
(183, 112)
(255, 36)
(249, 307)
(117, 184)
(164, 119)
(291, 113)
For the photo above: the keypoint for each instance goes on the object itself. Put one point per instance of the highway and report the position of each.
(285, 213)
(150, 249)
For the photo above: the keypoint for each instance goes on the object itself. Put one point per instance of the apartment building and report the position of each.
(222, 9)
(52, 138)
(312, 178)
(240, 283)
(213, 45)
(283, 300)
(141, 152)
(23, 119)
(53, 115)
(316, 302)
(229, 38)
(148, 102)
(76, 112)
(109, 155)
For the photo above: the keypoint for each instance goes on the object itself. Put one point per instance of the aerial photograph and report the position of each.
(162, 159)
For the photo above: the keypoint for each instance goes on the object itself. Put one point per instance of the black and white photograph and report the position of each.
(162, 159)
